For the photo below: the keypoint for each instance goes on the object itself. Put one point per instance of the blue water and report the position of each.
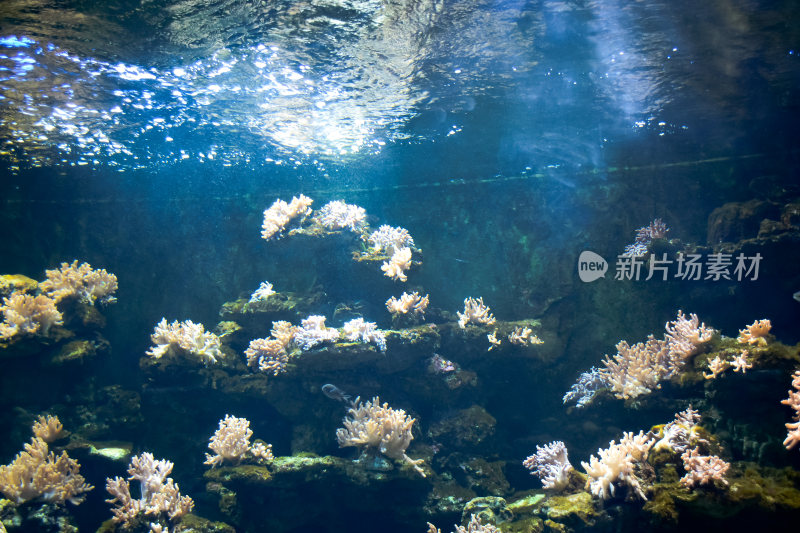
(147, 138)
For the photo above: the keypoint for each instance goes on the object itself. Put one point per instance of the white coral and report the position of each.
(551, 465)
(337, 215)
(313, 332)
(263, 292)
(269, 355)
(159, 493)
(475, 312)
(388, 239)
(397, 265)
(359, 330)
(409, 304)
(371, 425)
(187, 336)
(230, 442)
(278, 216)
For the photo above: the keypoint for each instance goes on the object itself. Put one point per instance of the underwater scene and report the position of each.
(467, 266)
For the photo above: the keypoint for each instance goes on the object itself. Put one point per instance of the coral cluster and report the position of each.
(387, 239)
(755, 333)
(357, 329)
(793, 401)
(24, 314)
(186, 335)
(263, 292)
(583, 391)
(373, 426)
(681, 433)
(269, 355)
(37, 473)
(48, 428)
(278, 216)
(408, 304)
(551, 465)
(231, 443)
(638, 369)
(82, 281)
(397, 265)
(475, 312)
(473, 526)
(523, 336)
(703, 469)
(644, 236)
(312, 332)
(160, 498)
(617, 465)
(337, 215)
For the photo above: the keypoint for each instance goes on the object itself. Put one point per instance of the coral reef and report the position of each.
(28, 315)
(83, 282)
(186, 335)
(160, 498)
(372, 426)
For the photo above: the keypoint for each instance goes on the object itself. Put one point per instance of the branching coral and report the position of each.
(313, 332)
(793, 401)
(231, 443)
(682, 432)
(703, 469)
(755, 333)
(388, 240)
(37, 473)
(187, 336)
(87, 284)
(638, 369)
(263, 292)
(524, 336)
(409, 304)
(551, 465)
(373, 426)
(48, 428)
(28, 315)
(614, 465)
(396, 267)
(280, 213)
(160, 497)
(337, 215)
(475, 312)
(473, 526)
(357, 329)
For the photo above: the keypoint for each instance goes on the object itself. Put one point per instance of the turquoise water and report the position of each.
(148, 138)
